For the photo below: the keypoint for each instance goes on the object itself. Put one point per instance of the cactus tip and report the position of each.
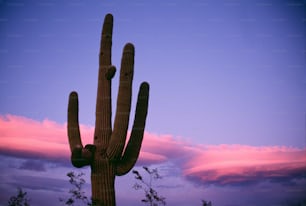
(129, 47)
(73, 94)
(145, 85)
(108, 17)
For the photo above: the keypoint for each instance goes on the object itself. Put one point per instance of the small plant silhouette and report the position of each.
(152, 198)
(206, 203)
(77, 193)
(19, 200)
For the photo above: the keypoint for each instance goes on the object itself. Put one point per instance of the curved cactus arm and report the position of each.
(132, 149)
(73, 122)
(74, 137)
(103, 128)
(80, 156)
(121, 123)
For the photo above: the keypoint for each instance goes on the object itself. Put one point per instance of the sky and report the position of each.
(227, 108)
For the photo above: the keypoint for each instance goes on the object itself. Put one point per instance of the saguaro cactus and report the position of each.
(109, 157)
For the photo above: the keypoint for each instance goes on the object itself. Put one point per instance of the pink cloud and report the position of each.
(47, 138)
(166, 146)
(24, 136)
(228, 164)
(219, 164)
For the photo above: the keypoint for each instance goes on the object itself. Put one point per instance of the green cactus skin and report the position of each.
(109, 156)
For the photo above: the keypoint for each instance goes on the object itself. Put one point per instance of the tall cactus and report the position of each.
(108, 157)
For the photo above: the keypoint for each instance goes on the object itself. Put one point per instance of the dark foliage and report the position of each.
(206, 203)
(77, 195)
(19, 200)
(152, 198)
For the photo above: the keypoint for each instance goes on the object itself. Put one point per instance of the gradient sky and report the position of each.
(227, 110)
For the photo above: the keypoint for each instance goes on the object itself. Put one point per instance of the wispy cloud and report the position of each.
(34, 165)
(21, 136)
(241, 164)
(207, 164)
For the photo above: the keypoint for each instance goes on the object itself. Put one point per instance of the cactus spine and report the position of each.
(108, 156)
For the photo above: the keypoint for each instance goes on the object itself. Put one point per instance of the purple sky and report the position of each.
(228, 72)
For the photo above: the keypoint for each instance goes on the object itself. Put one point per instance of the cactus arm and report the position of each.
(74, 138)
(121, 123)
(132, 150)
(103, 128)
(79, 156)
(73, 122)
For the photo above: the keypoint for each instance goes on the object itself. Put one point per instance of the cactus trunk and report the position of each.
(103, 183)
(109, 157)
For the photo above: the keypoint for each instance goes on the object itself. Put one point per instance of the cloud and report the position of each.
(24, 137)
(34, 165)
(39, 183)
(207, 164)
(241, 164)
(161, 148)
